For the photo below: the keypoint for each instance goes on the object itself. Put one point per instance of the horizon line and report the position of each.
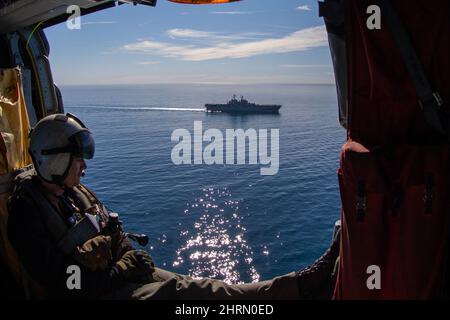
(197, 83)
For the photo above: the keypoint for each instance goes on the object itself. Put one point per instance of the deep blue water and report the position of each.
(223, 221)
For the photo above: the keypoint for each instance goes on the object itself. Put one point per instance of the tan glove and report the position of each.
(95, 254)
(136, 266)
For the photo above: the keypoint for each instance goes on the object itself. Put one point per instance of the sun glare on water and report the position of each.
(215, 246)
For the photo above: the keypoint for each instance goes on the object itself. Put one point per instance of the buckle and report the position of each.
(435, 99)
(361, 203)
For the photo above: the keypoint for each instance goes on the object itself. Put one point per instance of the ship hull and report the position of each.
(242, 109)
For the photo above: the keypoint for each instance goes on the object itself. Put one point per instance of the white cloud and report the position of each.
(304, 8)
(212, 36)
(188, 33)
(300, 40)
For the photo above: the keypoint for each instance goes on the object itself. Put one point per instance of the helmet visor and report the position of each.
(84, 145)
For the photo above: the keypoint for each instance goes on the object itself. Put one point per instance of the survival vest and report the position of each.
(66, 237)
(62, 232)
(392, 78)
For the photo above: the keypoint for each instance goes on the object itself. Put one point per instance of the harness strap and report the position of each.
(93, 199)
(7, 180)
(52, 219)
(430, 100)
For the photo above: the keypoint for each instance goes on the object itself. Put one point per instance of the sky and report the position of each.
(246, 42)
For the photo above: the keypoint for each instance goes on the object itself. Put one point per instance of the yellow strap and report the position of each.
(14, 128)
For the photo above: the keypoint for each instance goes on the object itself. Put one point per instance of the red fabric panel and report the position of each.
(410, 248)
(394, 152)
(383, 105)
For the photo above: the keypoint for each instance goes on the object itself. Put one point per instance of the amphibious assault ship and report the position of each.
(242, 106)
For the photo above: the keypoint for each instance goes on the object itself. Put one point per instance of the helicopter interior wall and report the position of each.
(25, 13)
(29, 50)
(29, 79)
(4, 4)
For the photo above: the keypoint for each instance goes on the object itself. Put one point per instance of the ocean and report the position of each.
(224, 221)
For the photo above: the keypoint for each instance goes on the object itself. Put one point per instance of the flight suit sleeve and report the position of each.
(45, 263)
(123, 246)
